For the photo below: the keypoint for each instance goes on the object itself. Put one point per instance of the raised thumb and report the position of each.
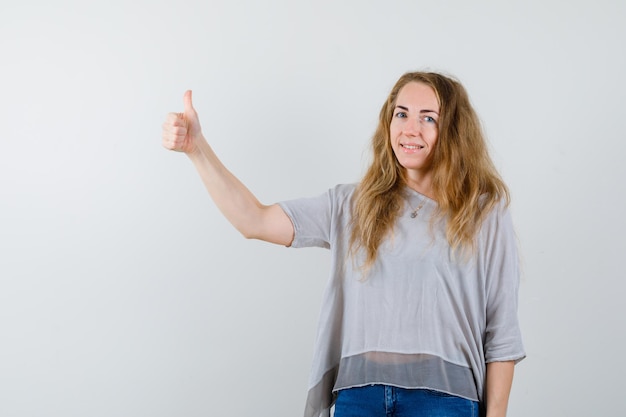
(187, 100)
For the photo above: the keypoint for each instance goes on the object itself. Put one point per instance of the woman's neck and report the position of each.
(421, 184)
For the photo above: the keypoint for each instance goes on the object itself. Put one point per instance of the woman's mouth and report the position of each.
(411, 147)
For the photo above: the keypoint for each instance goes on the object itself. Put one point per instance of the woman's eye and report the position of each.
(429, 119)
(401, 114)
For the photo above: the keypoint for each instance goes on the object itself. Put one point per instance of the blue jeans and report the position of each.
(388, 401)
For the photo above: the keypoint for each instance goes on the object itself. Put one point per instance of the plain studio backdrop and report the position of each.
(124, 292)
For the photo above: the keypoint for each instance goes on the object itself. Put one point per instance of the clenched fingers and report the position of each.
(174, 132)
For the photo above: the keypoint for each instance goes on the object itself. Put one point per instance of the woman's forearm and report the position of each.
(498, 387)
(242, 209)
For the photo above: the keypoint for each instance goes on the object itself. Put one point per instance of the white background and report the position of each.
(123, 292)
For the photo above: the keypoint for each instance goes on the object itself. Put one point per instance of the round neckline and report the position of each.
(412, 192)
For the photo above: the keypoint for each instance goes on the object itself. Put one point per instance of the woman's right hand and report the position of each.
(181, 131)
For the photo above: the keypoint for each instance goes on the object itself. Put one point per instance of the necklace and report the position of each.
(416, 211)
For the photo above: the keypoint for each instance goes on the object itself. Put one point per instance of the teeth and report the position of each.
(412, 147)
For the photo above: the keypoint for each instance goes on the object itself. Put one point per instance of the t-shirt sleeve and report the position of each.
(503, 339)
(311, 218)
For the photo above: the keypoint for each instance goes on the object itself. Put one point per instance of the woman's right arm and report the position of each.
(182, 132)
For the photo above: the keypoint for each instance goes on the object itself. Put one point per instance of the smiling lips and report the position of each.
(411, 147)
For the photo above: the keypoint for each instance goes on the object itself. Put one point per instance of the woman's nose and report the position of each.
(412, 127)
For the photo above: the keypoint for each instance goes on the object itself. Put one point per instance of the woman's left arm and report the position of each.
(498, 387)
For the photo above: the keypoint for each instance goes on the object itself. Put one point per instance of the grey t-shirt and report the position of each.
(422, 317)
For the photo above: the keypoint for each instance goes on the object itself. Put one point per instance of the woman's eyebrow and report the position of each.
(421, 111)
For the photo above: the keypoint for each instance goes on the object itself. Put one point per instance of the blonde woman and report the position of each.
(420, 313)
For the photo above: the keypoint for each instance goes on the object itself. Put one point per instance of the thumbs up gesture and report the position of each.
(181, 131)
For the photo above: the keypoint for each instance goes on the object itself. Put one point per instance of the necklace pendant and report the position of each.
(417, 210)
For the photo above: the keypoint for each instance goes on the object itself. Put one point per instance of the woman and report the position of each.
(420, 314)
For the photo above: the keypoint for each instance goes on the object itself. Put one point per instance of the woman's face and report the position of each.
(413, 130)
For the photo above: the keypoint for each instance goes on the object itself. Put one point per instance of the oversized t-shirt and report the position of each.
(422, 316)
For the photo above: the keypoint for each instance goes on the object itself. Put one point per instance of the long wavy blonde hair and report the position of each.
(465, 182)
